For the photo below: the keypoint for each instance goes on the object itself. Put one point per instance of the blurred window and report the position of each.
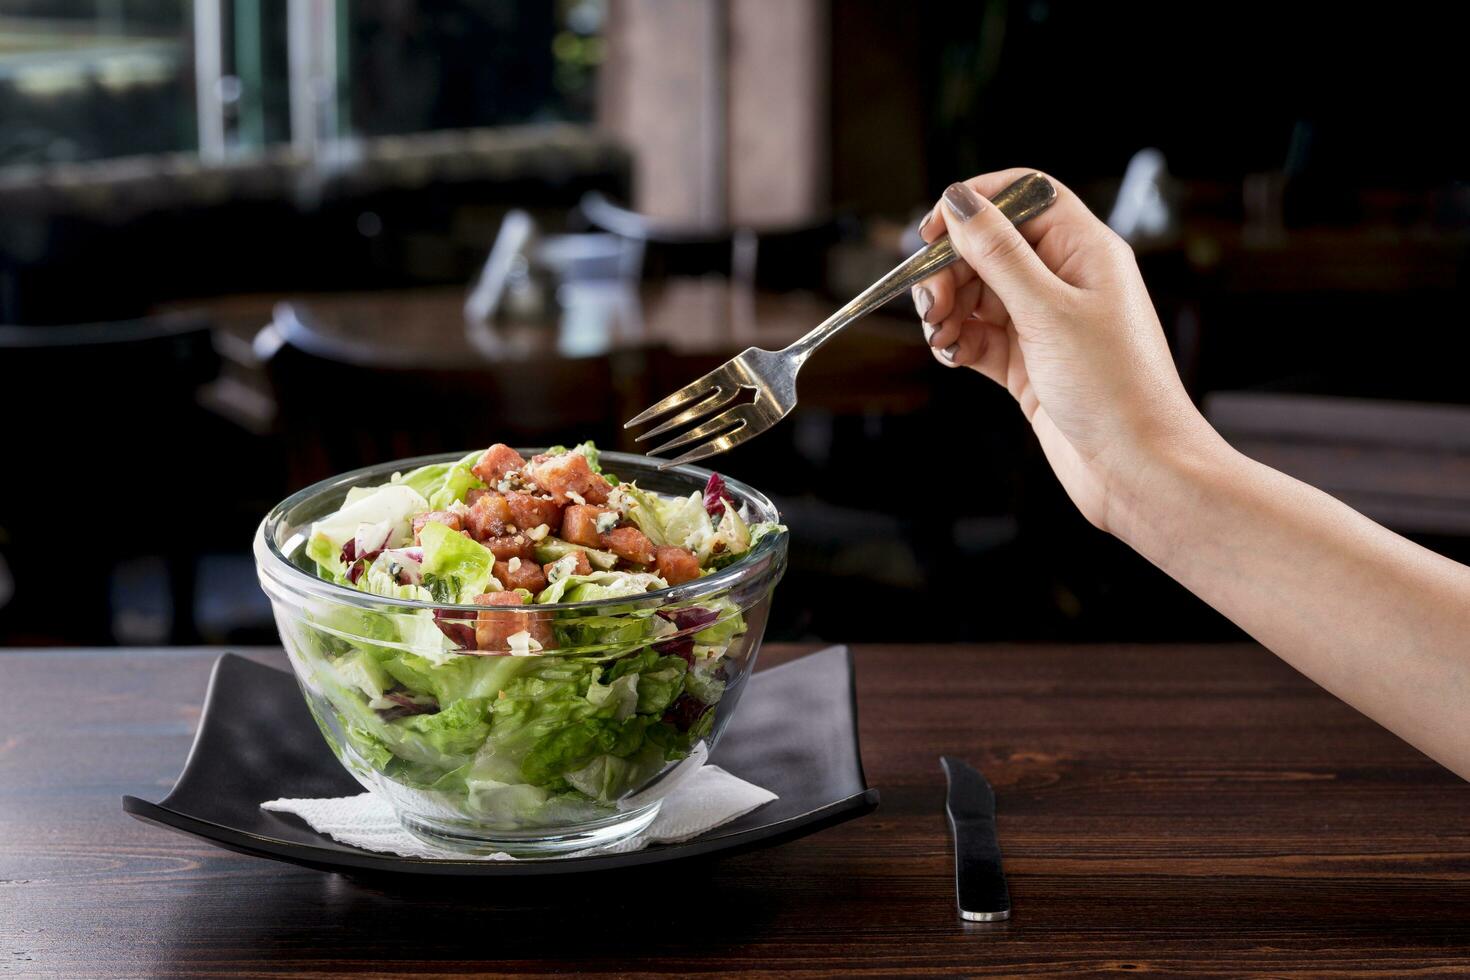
(83, 79)
(89, 79)
(464, 63)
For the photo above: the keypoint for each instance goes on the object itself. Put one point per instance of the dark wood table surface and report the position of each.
(1162, 809)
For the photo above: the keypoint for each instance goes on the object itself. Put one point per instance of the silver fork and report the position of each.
(772, 374)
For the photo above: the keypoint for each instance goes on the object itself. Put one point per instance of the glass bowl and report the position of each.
(532, 754)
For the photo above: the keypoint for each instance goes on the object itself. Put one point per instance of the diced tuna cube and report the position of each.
(528, 511)
(498, 460)
(488, 516)
(444, 517)
(629, 543)
(676, 565)
(510, 546)
(494, 626)
(579, 525)
(564, 475)
(598, 490)
(526, 575)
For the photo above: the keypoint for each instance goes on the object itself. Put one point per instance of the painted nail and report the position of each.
(962, 201)
(923, 301)
(949, 352)
(928, 217)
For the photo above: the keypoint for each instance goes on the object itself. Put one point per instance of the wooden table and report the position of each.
(1161, 808)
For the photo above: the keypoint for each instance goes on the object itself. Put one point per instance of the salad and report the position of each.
(498, 712)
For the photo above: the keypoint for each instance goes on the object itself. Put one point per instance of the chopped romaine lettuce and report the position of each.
(600, 585)
(551, 549)
(455, 568)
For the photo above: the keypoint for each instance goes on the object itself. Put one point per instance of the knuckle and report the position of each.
(1115, 244)
(999, 247)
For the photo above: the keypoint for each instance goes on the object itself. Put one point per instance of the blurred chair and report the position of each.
(1143, 211)
(778, 258)
(110, 458)
(345, 402)
(1404, 464)
(522, 274)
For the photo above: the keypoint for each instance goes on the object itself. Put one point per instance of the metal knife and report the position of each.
(980, 884)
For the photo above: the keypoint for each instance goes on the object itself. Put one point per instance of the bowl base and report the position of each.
(531, 843)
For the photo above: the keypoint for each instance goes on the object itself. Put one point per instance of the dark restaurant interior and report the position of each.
(249, 244)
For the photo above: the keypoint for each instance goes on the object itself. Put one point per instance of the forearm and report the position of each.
(1374, 618)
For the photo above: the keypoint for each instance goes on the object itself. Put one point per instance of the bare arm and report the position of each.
(1061, 318)
(1377, 620)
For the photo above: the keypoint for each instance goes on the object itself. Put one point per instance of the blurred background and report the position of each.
(246, 244)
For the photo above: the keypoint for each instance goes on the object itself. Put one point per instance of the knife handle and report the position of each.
(981, 891)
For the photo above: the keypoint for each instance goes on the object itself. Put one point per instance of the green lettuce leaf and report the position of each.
(455, 568)
(659, 685)
(606, 778)
(755, 533)
(550, 549)
(573, 745)
(457, 730)
(459, 677)
(621, 694)
(601, 585)
(442, 484)
(359, 670)
(683, 522)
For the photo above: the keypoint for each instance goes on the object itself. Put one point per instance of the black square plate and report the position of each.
(794, 732)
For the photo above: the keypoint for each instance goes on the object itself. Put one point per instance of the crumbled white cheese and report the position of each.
(575, 497)
(561, 568)
(522, 644)
(538, 533)
(606, 521)
(514, 565)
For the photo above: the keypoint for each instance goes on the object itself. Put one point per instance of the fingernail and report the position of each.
(923, 301)
(928, 334)
(962, 201)
(928, 217)
(949, 352)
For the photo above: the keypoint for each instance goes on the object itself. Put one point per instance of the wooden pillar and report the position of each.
(724, 104)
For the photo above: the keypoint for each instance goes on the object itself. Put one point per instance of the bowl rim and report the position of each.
(272, 561)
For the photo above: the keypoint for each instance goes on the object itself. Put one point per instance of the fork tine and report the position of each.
(694, 389)
(719, 444)
(719, 398)
(727, 419)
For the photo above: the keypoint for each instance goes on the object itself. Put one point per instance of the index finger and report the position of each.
(1056, 233)
(1066, 211)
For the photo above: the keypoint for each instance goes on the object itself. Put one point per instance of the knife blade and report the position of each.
(980, 882)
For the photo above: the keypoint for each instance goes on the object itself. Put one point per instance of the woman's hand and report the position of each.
(1057, 312)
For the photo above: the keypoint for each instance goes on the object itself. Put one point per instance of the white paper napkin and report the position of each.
(703, 799)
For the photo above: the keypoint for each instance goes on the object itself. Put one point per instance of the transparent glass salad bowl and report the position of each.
(566, 748)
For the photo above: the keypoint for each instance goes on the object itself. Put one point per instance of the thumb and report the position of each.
(995, 250)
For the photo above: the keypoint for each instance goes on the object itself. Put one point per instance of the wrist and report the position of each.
(1168, 481)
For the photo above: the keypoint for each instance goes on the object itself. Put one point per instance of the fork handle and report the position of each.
(1020, 201)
